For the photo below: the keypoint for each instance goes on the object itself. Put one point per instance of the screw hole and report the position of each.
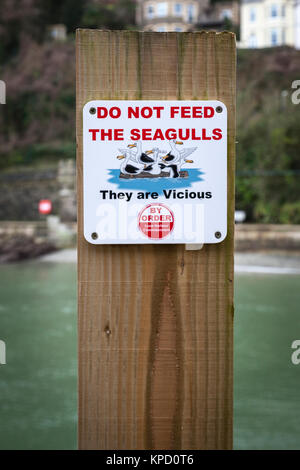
(218, 234)
(219, 109)
(94, 235)
(92, 110)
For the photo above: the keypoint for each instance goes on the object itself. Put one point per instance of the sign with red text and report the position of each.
(155, 172)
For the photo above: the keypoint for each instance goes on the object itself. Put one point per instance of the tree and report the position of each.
(19, 19)
(68, 12)
(117, 14)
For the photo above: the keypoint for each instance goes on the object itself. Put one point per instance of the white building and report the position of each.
(297, 24)
(182, 15)
(270, 23)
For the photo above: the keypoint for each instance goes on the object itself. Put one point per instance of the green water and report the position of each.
(267, 384)
(38, 383)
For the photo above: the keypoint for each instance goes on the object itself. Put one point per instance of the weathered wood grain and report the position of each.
(155, 322)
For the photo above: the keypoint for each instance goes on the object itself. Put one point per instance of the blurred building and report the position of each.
(270, 23)
(58, 32)
(220, 16)
(186, 15)
(183, 15)
(297, 24)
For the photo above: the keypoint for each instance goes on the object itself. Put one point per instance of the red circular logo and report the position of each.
(156, 221)
(45, 206)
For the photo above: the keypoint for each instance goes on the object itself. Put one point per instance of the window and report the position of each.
(150, 11)
(162, 9)
(274, 10)
(54, 33)
(252, 14)
(283, 10)
(274, 37)
(283, 36)
(190, 13)
(252, 41)
(178, 29)
(226, 14)
(161, 29)
(178, 9)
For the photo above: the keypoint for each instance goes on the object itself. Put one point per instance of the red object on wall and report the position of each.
(45, 206)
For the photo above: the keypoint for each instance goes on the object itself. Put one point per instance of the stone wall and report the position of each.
(20, 240)
(21, 191)
(255, 237)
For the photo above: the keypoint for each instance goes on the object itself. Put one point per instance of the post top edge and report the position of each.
(134, 32)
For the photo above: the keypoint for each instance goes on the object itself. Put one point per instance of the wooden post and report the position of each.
(155, 322)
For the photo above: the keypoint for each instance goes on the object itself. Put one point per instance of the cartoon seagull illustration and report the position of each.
(176, 158)
(130, 166)
(142, 157)
(154, 168)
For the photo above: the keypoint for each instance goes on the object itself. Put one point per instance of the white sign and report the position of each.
(155, 172)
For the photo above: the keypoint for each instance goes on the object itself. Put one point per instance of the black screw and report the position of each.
(92, 110)
(219, 109)
(218, 234)
(94, 235)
